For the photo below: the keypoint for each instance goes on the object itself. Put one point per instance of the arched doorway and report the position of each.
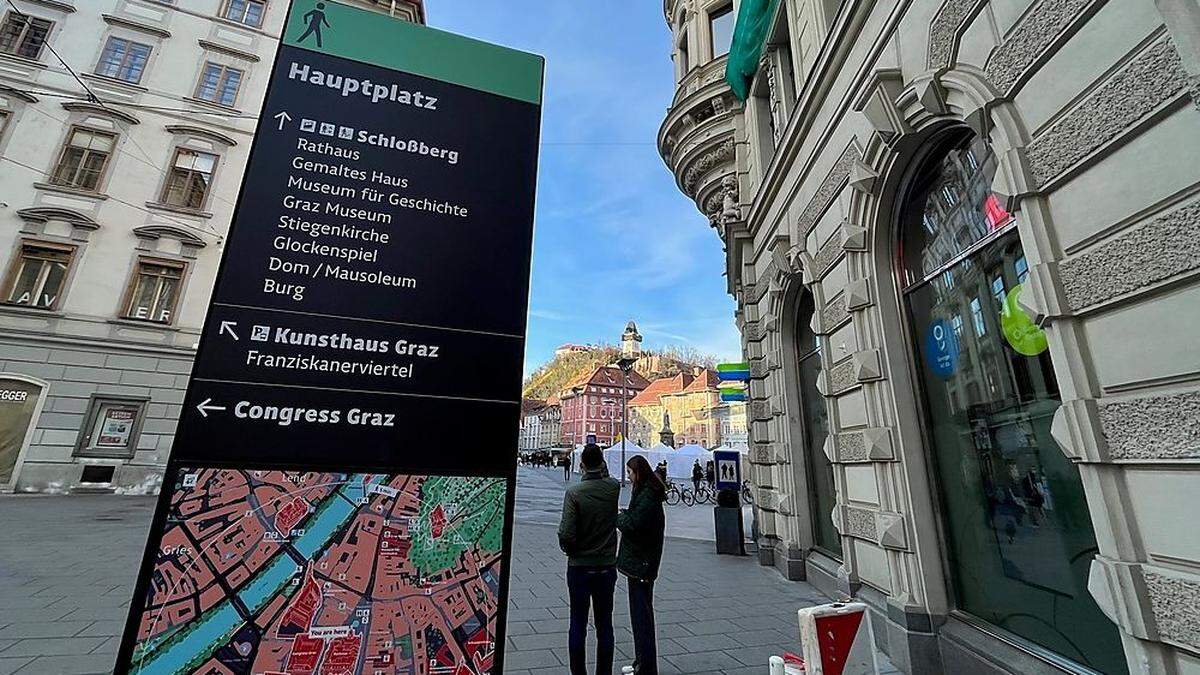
(21, 399)
(815, 427)
(1018, 532)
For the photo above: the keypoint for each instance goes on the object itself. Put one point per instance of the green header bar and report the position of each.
(371, 37)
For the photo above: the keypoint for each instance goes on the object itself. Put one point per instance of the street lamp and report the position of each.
(631, 350)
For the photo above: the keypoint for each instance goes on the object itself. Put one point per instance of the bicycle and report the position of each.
(673, 494)
(747, 495)
(706, 494)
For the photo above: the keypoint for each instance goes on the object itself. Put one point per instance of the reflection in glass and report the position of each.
(1020, 535)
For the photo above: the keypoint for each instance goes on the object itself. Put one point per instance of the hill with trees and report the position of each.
(552, 377)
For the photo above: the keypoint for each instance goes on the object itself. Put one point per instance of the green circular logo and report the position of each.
(1019, 330)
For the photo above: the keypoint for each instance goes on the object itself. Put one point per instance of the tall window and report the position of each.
(721, 23)
(683, 63)
(249, 12)
(1017, 525)
(38, 274)
(123, 59)
(219, 84)
(84, 158)
(188, 182)
(821, 492)
(23, 35)
(154, 291)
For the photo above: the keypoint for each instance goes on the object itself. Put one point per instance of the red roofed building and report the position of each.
(592, 405)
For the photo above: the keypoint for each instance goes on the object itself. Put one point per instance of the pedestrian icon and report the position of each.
(315, 19)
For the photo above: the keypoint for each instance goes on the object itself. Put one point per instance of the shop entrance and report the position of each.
(20, 403)
(1019, 533)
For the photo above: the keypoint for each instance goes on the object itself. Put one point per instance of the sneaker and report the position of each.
(626, 670)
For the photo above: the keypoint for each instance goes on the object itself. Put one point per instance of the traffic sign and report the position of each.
(371, 300)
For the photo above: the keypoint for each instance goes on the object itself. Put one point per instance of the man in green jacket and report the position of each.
(588, 535)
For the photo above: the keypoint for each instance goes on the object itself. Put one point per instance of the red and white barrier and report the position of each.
(837, 640)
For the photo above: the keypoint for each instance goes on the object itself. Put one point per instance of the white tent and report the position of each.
(679, 460)
(679, 465)
(612, 457)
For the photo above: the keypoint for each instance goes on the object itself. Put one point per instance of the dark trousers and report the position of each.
(594, 587)
(641, 619)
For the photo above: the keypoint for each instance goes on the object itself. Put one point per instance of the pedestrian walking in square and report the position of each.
(642, 528)
(587, 533)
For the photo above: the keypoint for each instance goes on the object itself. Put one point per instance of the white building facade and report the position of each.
(961, 236)
(117, 185)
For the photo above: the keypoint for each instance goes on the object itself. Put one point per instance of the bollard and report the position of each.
(837, 639)
(776, 665)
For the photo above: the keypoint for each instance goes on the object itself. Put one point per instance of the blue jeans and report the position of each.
(594, 587)
(641, 620)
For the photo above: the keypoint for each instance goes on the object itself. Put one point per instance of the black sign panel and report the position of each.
(353, 411)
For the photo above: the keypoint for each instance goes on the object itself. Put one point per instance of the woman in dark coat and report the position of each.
(642, 526)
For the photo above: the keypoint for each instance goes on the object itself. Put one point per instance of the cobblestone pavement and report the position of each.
(67, 566)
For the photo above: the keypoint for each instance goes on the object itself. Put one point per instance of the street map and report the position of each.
(281, 572)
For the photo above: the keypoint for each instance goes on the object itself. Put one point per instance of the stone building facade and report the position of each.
(116, 190)
(962, 239)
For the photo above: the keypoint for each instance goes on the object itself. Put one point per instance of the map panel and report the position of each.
(311, 573)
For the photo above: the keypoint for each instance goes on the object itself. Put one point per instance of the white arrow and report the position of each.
(204, 407)
(283, 118)
(227, 327)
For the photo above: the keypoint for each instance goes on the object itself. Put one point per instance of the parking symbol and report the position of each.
(260, 333)
(308, 125)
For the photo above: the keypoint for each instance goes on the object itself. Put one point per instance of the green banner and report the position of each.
(349, 32)
(749, 39)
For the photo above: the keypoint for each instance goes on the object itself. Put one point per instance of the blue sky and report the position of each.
(616, 240)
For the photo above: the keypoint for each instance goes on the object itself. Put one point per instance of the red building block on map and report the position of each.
(291, 513)
(304, 607)
(437, 521)
(305, 653)
(342, 656)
